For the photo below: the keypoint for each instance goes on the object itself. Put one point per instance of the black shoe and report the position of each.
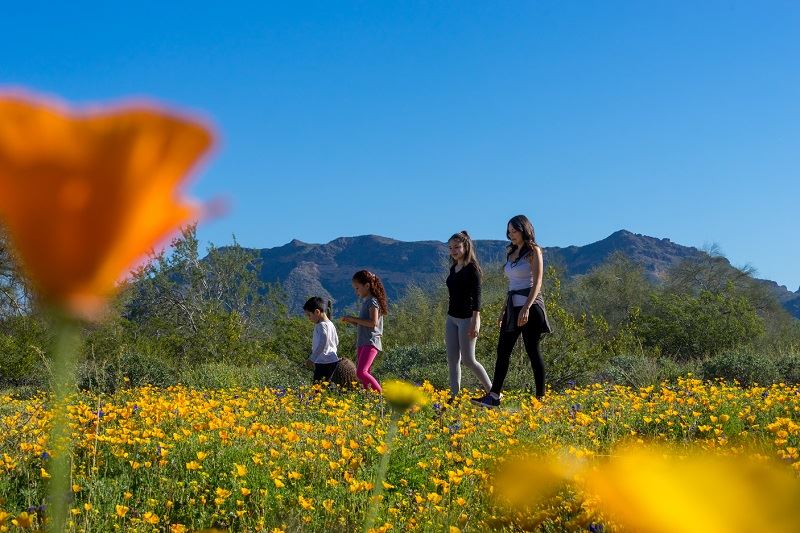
(486, 401)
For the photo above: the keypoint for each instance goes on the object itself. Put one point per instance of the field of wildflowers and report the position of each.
(177, 459)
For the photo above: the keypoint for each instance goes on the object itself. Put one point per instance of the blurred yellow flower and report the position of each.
(401, 395)
(84, 195)
(121, 510)
(653, 489)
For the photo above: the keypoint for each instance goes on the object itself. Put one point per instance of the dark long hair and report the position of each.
(524, 226)
(315, 303)
(469, 250)
(375, 287)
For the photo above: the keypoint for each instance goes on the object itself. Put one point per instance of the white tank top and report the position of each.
(519, 277)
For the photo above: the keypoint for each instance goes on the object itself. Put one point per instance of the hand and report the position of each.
(348, 319)
(309, 364)
(523, 316)
(474, 328)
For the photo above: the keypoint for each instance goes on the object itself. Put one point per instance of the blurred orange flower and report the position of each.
(85, 194)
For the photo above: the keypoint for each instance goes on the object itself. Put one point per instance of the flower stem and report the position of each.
(380, 476)
(63, 383)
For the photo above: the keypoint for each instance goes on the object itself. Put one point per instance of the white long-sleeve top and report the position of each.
(325, 343)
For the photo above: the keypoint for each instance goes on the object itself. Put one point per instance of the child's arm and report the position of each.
(318, 343)
(371, 322)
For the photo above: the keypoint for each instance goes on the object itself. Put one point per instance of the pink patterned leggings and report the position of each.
(365, 356)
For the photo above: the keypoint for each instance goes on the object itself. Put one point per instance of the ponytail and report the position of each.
(376, 288)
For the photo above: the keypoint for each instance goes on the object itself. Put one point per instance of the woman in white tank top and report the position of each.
(524, 313)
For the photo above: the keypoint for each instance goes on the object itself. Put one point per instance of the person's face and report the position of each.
(514, 236)
(361, 289)
(313, 316)
(456, 250)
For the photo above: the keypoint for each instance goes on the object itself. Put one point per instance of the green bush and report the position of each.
(789, 367)
(24, 346)
(742, 367)
(690, 327)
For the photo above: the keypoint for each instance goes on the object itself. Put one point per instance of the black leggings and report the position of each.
(531, 335)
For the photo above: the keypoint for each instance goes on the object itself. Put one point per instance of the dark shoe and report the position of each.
(486, 401)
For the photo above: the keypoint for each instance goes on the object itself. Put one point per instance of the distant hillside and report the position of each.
(326, 269)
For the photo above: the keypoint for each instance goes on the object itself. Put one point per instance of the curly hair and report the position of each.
(375, 288)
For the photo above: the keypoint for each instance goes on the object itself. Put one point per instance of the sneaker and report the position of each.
(486, 401)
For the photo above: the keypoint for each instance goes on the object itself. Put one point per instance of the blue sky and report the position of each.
(414, 120)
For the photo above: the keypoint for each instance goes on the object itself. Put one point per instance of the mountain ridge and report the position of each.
(325, 269)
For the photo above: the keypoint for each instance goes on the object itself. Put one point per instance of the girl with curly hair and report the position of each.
(370, 324)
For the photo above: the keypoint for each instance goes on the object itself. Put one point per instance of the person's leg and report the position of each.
(324, 371)
(366, 355)
(468, 353)
(451, 341)
(531, 336)
(505, 345)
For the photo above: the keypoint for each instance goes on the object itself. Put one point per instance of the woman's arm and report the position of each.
(475, 298)
(475, 324)
(537, 265)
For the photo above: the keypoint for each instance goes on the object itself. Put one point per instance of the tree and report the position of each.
(206, 310)
(689, 327)
(615, 290)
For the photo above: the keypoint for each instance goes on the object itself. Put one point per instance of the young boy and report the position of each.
(323, 358)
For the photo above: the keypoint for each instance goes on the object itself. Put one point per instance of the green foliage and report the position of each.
(615, 290)
(24, 345)
(416, 363)
(789, 367)
(212, 322)
(571, 352)
(643, 370)
(689, 327)
(740, 366)
(418, 317)
(225, 376)
(212, 310)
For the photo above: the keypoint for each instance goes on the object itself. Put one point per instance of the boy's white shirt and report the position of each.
(325, 343)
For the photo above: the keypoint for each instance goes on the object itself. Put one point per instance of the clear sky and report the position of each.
(414, 120)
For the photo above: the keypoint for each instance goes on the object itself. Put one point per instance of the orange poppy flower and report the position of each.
(85, 194)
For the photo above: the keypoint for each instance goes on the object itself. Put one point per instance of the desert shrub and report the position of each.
(742, 367)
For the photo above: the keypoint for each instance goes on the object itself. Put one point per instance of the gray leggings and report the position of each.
(460, 347)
